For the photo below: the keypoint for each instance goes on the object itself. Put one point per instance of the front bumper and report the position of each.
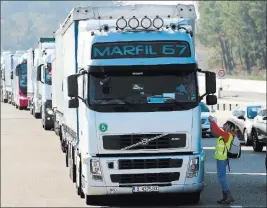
(106, 186)
(49, 120)
(23, 102)
(110, 190)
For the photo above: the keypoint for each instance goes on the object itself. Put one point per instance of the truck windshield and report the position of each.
(48, 74)
(143, 90)
(23, 78)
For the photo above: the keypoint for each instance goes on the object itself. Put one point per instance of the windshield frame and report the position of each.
(144, 107)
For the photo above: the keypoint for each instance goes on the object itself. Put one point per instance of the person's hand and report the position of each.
(210, 119)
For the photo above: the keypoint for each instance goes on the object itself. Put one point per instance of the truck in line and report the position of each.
(19, 90)
(41, 102)
(7, 65)
(126, 100)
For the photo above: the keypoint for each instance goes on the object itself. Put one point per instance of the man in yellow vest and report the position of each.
(225, 136)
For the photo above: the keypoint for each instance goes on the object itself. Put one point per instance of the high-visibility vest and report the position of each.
(220, 149)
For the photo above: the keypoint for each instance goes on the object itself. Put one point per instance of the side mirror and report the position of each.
(39, 73)
(74, 103)
(241, 117)
(11, 75)
(211, 99)
(264, 118)
(210, 82)
(72, 83)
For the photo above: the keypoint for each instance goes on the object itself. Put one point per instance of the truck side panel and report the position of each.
(69, 61)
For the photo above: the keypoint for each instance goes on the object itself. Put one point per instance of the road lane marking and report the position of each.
(257, 174)
(242, 148)
(236, 206)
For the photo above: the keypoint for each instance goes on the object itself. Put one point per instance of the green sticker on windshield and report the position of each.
(103, 127)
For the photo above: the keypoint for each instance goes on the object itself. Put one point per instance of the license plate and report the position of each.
(138, 189)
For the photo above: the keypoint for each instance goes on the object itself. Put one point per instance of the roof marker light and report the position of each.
(158, 22)
(121, 23)
(133, 23)
(146, 22)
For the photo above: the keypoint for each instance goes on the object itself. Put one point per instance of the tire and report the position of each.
(79, 185)
(247, 138)
(36, 115)
(17, 106)
(67, 157)
(21, 108)
(72, 166)
(5, 100)
(257, 147)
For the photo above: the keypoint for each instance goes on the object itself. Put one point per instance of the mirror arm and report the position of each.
(202, 96)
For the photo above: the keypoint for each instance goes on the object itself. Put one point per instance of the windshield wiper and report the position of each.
(111, 100)
(170, 98)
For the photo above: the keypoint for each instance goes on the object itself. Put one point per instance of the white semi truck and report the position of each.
(127, 100)
(41, 104)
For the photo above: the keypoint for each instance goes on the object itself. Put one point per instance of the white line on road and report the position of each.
(236, 206)
(257, 174)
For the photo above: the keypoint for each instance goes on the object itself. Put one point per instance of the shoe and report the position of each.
(229, 198)
(224, 197)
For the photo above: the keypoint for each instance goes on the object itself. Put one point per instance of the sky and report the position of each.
(165, 2)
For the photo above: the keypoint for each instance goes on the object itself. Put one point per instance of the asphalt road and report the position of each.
(33, 171)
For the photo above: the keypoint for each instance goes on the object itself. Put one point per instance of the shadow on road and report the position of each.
(166, 201)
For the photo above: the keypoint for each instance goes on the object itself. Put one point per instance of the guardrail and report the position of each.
(225, 106)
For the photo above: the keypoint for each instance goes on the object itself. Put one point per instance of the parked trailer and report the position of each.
(129, 120)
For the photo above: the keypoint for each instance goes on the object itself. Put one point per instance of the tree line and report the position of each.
(236, 33)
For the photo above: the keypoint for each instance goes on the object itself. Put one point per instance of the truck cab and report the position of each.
(44, 76)
(131, 121)
(20, 87)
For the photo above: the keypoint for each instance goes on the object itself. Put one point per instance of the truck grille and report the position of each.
(150, 163)
(144, 178)
(117, 142)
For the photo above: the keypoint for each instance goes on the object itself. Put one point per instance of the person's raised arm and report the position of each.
(216, 130)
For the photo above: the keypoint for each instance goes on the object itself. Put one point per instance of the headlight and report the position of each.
(193, 167)
(49, 111)
(96, 169)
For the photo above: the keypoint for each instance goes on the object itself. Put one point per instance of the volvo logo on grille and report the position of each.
(144, 141)
(175, 139)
